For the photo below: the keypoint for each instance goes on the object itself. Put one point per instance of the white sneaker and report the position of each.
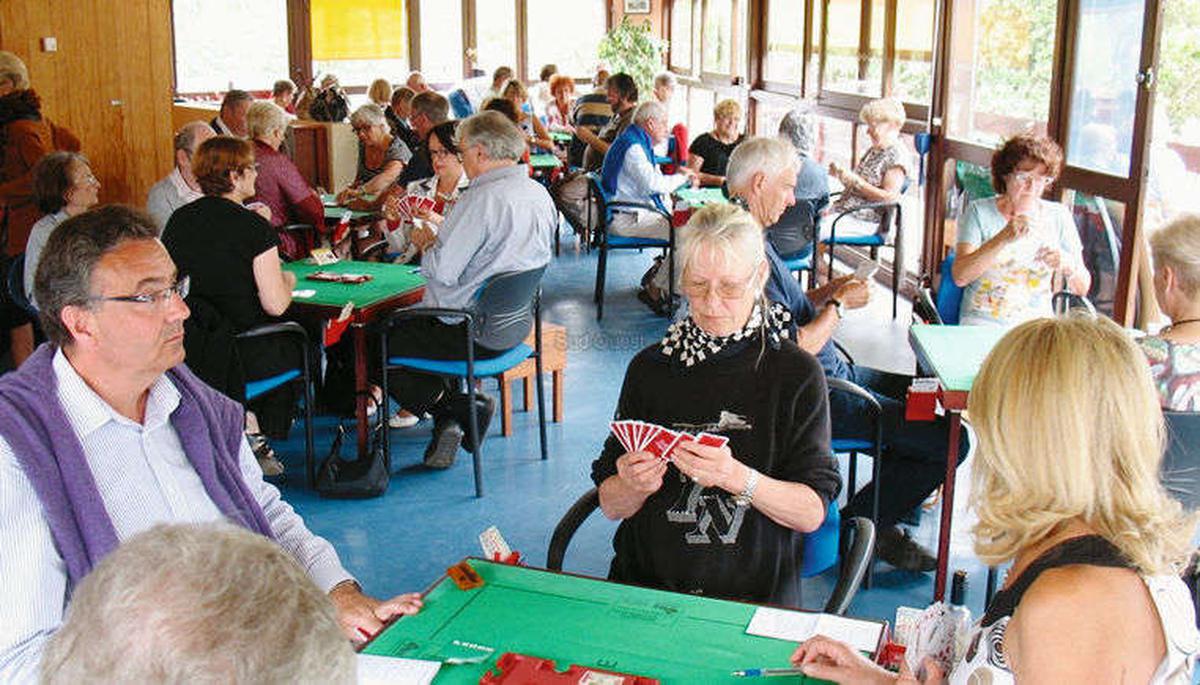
(403, 419)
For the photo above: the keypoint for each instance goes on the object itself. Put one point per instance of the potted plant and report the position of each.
(632, 49)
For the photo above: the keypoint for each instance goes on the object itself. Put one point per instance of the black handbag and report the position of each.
(340, 478)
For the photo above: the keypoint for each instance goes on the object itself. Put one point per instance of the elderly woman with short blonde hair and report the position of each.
(279, 184)
(1174, 353)
(729, 370)
(879, 176)
(709, 153)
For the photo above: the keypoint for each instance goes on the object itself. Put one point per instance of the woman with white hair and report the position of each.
(279, 184)
(381, 155)
(1066, 486)
(1174, 353)
(792, 235)
(728, 370)
(879, 175)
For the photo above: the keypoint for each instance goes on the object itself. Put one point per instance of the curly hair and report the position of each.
(1024, 147)
(216, 158)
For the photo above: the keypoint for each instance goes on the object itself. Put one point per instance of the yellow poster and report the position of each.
(358, 29)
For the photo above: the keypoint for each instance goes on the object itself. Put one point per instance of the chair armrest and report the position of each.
(428, 313)
(842, 351)
(639, 205)
(570, 522)
(277, 328)
(856, 557)
(843, 385)
(297, 227)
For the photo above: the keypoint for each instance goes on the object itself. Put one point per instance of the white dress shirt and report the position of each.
(170, 193)
(144, 478)
(639, 181)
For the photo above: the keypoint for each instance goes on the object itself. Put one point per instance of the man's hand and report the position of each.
(422, 236)
(641, 472)
(709, 466)
(853, 293)
(361, 616)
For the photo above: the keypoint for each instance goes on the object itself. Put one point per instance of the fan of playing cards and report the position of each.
(640, 436)
(411, 205)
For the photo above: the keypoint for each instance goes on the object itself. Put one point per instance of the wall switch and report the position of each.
(49, 44)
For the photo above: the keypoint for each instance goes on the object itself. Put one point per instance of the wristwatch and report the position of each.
(746, 496)
(837, 305)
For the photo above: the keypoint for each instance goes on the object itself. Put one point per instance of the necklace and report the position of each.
(1175, 324)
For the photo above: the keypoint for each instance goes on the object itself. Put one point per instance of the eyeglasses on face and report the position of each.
(442, 152)
(726, 290)
(158, 298)
(1027, 177)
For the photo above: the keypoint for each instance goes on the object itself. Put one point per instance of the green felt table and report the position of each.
(673, 637)
(701, 196)
(544, 161)
(335, 211)
(955, 353)
(560, 136)
(388, 282)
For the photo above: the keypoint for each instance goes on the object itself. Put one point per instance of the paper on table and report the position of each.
(797, 626)
(386, 670)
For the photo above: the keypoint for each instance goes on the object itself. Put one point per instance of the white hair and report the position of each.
(759, 154)
(198, 603)
(665, 78)
(369, 114)
(14, 70)
(263, 117)
(1177, 245)
(496, 133)
(651, 109)
(799, 127)
(728, 230)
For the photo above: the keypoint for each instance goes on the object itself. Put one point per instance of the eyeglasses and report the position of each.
(87, 180)
(1027, 177)
(726, 290)
(159, 298)
(442, 152)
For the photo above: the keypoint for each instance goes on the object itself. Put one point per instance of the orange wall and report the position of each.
(657, 14)
(109, 82)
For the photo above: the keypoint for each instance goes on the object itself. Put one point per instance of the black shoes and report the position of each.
(443, 448)
(448, 432)
(896, 546)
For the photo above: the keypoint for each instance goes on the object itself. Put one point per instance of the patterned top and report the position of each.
(1017, 286)
(872, 168)
(1176, 371)
(396, 151)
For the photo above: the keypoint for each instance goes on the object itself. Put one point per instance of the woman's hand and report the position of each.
(836, 171)
(391, 206)
(709, 466)
(828, 659)
(1016, 228)
(641, 472)
(1052, 258)
(422, 236)
(430, 216)
(347, 194)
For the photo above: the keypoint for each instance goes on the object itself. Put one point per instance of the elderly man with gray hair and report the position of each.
(501, 223)
(762, 177)
(792, 235)
(198, 603)
(179, 187)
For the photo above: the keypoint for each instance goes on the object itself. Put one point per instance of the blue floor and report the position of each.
(428, 520)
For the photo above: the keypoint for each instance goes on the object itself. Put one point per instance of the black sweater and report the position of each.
(775, 412)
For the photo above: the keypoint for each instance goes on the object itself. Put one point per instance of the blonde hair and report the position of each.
(13, 69)
(380, 92)
(369, 114)
(728, 230)
(1177, 245)
(514, 87)
(727, 108)
(1069, 427)
(882, 110)
(263, 117)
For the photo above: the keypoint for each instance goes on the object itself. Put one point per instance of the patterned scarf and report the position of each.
(688, 344)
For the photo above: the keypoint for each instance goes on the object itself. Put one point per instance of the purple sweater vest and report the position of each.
(34, 424)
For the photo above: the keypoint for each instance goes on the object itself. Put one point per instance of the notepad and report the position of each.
(386, 670)
(798, 626)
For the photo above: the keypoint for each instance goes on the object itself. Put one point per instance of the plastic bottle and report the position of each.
(960, 615)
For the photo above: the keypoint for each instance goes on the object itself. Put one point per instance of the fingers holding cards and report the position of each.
(642, 471)
(706, 460)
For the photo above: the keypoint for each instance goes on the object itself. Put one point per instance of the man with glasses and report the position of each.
(179, 187)
(428, 110)
(105, 433)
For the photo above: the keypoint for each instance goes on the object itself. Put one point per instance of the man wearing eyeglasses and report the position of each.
(179, 187)
(104, 433)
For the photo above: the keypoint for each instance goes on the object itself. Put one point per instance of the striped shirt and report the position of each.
(144, 478)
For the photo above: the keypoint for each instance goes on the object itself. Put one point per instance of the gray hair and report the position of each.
(13, 69)
(499, 137)
(650, 109)
(185, 137)
(369, 114)
(759, 154)
(799, 127)
(64, 273)
(235, 97)
(264, 117)
(1177, 245)
(729, 230)
(665, 78)
(198, 603)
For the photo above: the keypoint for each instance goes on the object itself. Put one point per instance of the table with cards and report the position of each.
(588, 622)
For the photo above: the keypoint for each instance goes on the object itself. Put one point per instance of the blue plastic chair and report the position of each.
(500, 317)
(257, 388)
(460, 104)
(852, 543)
(606, 242)
(854, 446)
(949, 293)
(890, 213)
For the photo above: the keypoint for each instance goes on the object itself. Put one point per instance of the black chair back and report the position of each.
(505, 308)
(1181, 463)
(16, 285)
(795, 230)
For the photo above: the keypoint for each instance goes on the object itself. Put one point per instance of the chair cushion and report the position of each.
(458, 368)
(625, 242)
(868, 240)
(841, 445)
(798, 263)
(266, 385)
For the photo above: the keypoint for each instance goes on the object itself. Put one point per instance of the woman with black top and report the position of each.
(722, 521)
(231, 254)
(1066, 486)
(709, 153)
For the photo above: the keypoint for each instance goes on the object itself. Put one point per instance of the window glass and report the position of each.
(571, 46)
(223, 44)
(700, 106)
(718, 37)
(681, 34)
(1173, 184)
(814, 64)
(1001, 58)
(845, 72)
(913, 75)
(1100, 222)
(360, 43)
(495, 34)
(441, 40)
(768, 112)
(785, 41)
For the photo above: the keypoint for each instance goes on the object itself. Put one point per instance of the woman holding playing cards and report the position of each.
(426, 201)
(703, 517)
(1014, 248)
(1066, 486)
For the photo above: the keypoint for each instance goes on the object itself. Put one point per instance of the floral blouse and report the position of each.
(1175, 368)
(873, 166)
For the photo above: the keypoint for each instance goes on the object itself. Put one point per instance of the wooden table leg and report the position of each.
(943, 555)
(361, 387)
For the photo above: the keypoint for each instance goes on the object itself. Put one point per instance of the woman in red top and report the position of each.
(279, 185)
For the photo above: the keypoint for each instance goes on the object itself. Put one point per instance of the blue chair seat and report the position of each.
(628, 242)
(840, 445)
(798, 263)
(821, 545)
(265, 385)
(868, 240)
(483, 367)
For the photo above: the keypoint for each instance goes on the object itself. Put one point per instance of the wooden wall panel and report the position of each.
(109, 82)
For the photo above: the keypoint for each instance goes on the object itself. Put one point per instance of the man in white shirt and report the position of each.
(232, 119)
(105, 433)
(179, 187)
(638, 179)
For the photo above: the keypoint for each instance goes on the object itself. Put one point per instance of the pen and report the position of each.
(766, 672)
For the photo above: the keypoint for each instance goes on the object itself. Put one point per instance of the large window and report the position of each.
(681, 34)
(571, 46)
(223, 44)
(1173, 185)
(717, 37)
(912, 80)
(495, 34)
(441, 40)
(853, 61)
(361, 42)
(784, 60)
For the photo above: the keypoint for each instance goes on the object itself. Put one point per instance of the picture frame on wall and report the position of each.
(637, 6)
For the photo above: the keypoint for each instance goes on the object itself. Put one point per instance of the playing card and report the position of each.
(662, 441)
(427, 204)
(711, 440)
